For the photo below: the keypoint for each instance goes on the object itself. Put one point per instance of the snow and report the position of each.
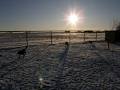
(81, 66)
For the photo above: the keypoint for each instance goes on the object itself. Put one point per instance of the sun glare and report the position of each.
(73, 19)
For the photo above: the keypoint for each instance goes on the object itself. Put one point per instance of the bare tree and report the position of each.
(114, 24)
(118, 27)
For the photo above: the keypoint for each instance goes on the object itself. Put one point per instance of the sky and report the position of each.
(51, 14)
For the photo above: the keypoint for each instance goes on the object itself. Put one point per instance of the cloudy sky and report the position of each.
(51, 14)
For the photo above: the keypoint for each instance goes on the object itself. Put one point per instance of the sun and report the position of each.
(73, 19)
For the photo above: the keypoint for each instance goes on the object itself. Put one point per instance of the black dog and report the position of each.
(22, 52)
(66, 44)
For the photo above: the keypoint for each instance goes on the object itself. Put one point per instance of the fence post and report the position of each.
(84, 37)
(51, 37)
(27, 38)
(108, 44)
(11, 39)
(69, 37)
(96, 36)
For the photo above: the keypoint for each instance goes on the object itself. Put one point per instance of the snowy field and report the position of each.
(81, 66)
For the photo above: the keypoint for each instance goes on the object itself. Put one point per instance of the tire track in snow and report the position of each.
(105, 60)
(84, 81)
(109, 62)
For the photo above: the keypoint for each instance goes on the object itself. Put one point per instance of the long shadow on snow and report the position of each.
(62, 60)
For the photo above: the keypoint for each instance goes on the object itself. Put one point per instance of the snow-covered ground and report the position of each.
(81, 66)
